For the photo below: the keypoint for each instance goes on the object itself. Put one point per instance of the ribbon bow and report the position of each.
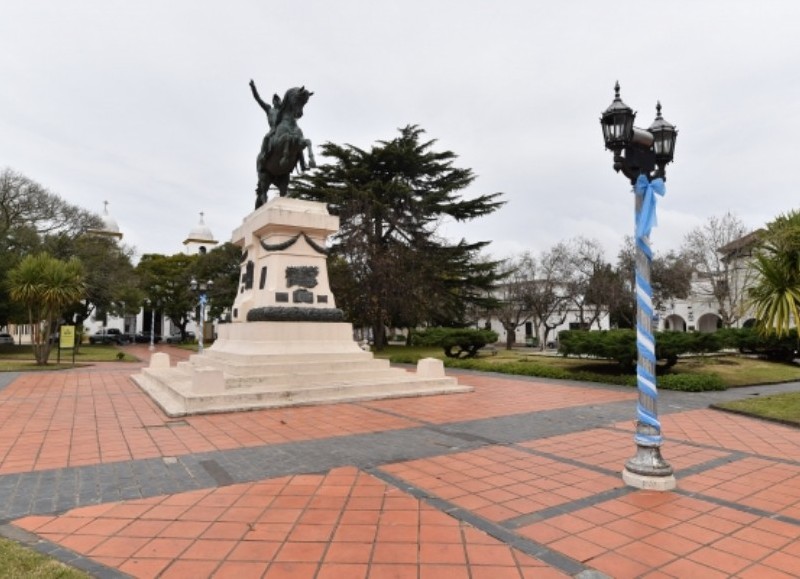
(646, 218)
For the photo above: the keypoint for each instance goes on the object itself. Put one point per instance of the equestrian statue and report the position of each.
(282, 148)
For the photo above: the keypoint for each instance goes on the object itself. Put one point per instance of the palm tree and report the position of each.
(776, 294)
(45, 286)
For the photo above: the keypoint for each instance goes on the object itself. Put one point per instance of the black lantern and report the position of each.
(664, 135)
(194, 286)
(617, 123)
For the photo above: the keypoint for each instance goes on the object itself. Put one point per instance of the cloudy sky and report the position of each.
(146, 104)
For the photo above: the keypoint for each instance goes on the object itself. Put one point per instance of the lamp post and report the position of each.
(201, 287)
(152, 306)
(642, 156)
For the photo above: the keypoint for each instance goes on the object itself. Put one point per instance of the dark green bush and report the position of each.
(670, 345)
(682, 382)
(751, 341)
(405, 357)
(691, 382)
(620, 345)
(456, 342)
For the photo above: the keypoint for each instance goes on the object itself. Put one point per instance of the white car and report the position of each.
(6, 339)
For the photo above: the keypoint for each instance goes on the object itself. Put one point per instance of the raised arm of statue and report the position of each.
(260, 102)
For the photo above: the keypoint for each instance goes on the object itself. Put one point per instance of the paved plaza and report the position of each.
(518, 479)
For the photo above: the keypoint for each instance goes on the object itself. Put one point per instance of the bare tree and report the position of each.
(549, 301)
(715, 249)
(585, 260)
(514, 295)
(28, 214)
(671, 277)
(26, 204)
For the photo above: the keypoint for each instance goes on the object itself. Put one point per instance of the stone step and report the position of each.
(280, 367)
(278, 358)
(311, 379)
(172, 390)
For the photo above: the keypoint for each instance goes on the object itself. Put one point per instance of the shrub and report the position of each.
(456, 342)
(670, 345)
(771, 347)
(405, 357)
(682, 382)
(691, 382)
(620, 345)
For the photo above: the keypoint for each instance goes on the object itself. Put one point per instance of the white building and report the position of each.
(199, 240)
(700, 311)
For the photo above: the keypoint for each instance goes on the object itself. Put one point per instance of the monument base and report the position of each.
(276, 364)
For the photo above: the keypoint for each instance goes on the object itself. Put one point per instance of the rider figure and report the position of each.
(272, 114)
(282, 147)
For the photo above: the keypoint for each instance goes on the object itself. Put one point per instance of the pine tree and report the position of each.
(389, 265)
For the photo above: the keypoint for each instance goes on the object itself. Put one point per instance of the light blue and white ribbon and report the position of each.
(645, 340)
(646, 217)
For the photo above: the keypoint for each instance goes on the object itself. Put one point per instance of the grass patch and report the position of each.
(19, 561)
(735, 370)
(783, 408)
(694, 374)
(19, 358)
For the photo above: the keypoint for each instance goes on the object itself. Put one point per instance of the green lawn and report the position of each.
(733, 370)
(17, 561)
(779, 407)
(741, 370)
(19, 358)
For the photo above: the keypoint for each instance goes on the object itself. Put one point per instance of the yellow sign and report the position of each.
(67, 339)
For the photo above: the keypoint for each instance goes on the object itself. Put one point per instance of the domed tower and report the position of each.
(109, 227)
(200, 239)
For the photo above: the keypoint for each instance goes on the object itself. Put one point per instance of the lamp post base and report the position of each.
(649, 483)
(648, 470)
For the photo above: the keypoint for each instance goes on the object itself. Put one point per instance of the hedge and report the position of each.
(751, 341)
(456, 342)
(620, 345)
(681, 382)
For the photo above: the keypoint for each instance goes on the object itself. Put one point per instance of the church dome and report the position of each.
(109, 223)
(200, 238)
(200, 232)
(109, 227)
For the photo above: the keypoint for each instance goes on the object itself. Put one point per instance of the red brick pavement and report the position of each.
(736, 512)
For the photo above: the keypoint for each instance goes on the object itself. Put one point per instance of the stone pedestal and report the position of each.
(284, 271)
(286, 344)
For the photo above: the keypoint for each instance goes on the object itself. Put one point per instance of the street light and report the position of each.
(152, 307)
(201, 287)
(642, 156)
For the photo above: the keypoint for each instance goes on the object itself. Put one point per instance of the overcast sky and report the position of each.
(146, 104)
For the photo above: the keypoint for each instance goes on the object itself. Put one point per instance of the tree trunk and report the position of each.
(544, 337)
(510, 337)
(41, 341)
(378, 335)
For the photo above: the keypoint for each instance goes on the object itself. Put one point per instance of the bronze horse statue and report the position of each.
(282, 148)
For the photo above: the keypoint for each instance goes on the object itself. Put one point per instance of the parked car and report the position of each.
(6, 339)
(109, 336)
(176, 338)
(144, 338)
